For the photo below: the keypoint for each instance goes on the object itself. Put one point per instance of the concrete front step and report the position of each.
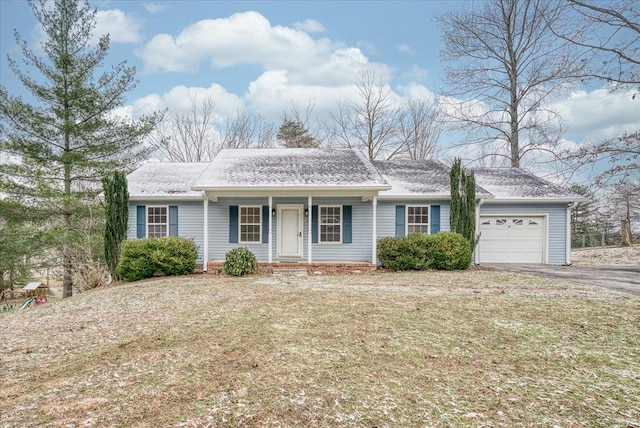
(289, 272)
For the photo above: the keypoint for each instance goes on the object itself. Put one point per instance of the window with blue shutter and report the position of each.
(173, 220)
(141, 221)
(346, 224)
(233, 224)
(435, 218)
(400, 220)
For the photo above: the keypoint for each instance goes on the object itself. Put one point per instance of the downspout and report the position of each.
(309, 231)
(374, 237)
(476, 256)
(205, 244)
(270, 259)
(570, 206)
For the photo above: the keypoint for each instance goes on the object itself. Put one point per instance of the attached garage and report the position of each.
(512, 239)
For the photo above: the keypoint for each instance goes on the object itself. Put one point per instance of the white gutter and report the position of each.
(301, 187)
(570, 206)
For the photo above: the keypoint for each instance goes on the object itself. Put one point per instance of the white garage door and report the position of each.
(511, 239)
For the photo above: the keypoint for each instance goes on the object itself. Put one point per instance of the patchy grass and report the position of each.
(476, 348)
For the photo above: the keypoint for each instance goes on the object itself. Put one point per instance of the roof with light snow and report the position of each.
(258, 169)
(165, 180)
(418, 178)
(520, 185)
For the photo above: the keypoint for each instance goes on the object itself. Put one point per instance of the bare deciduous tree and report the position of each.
(505, 64)
(246, 130)
(189, 135)
(420, 129)
(609, 33)
(369, 124)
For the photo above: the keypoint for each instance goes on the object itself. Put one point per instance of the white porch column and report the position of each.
(205, 244)
(270, 230)
(309, 232)
(374, 235)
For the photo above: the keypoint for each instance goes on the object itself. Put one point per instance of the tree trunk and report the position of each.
(625, 231)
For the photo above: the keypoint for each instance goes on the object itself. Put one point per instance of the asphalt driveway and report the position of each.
(620, 278)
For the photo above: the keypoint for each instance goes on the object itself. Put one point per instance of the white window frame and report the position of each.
(406, 222)
(320, 224)
(240, 224)
(166, 207)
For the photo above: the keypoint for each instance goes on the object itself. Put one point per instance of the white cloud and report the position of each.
(601, 113)
(405, 49)
(310, 26)
(243, 38)
(122, 28)
(154, 8)
(179, 98)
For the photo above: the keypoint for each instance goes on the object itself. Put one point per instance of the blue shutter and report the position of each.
(435, 218)
(233, 224)
(314, 224)
(265, 224)
(400, 220)
(346, 224)
(141, 221)
(173, 220)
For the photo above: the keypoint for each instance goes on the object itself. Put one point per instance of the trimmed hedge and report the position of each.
(418, 251)
(143, 258)
(240, 262)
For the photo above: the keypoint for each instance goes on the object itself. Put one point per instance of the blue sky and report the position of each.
(267, 55)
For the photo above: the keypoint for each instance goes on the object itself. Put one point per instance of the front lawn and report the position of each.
(476, 348)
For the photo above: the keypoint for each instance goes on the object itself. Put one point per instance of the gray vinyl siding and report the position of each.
(190, 221)
(358, 251)
(386, 215)
(556, 224)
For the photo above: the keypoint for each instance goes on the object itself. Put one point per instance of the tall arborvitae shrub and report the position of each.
(463, 203)
(116, 198)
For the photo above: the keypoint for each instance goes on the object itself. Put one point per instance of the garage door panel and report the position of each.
(511, 239)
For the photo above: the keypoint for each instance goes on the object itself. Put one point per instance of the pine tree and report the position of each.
(295, 135)
(116, 198)
(462, 217)
(68, 139)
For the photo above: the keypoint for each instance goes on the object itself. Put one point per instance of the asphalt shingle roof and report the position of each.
(418, 177)
(516, 183)
(165, 179)
(274, 168)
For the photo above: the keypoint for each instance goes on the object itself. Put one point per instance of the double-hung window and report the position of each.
(157, 222)
(417, 218)
(330, 224)
(250, 223)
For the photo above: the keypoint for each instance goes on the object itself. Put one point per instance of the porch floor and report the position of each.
(215, 268)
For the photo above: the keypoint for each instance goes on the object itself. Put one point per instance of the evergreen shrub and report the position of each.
(449, 251)
(397, 253)
(143, 258)
(239, 262)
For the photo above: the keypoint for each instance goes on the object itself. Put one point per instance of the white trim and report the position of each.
(138, 198)
(567, 256)
(298, 192)
(533, 200)
(301, 188)
(146, 227)
(374, 235)
(300, 209)
(406, 218)
(320, 224)
(205, 245)
(240, 207)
